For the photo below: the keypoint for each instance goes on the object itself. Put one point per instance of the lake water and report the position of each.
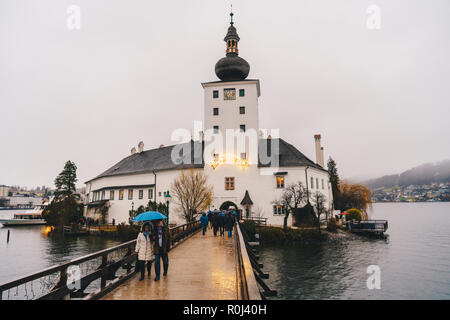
(30, 249)
(414, 262)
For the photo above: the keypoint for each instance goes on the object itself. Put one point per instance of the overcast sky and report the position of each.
(379, 97)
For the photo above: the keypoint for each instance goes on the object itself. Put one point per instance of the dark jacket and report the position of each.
(215, 220)
(165, 240)
(229, 222)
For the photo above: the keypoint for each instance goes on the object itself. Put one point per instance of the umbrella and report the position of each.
(235, 213)
(343, 213)
(149, 215)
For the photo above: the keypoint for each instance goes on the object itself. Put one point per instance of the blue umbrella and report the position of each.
(149, 215)
(235, 213)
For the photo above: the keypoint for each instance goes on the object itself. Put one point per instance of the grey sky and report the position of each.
(380, 98)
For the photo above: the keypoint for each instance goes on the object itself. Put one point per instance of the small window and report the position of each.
(243, 156)
(279, 210)
(159, 194)
(242, 127)
(242, 110)
(121, 192)
(229, 183)
(216, 129)
(141, 194)
(215, 111)
(111, 195)
(150, 193)
(130, 194)
(317, 183)
(103, 195)
(215, 94)
(241, 92)
(312, 183)
(323, 185)
(229, 94)
(280, 181)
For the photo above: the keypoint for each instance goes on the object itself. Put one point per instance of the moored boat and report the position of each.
(26, 218)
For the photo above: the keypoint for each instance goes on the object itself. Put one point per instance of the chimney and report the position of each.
(141, 146)
(133, 150)
(319, 150)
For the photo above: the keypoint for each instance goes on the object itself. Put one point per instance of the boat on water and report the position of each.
(375, 227)
(26, 218)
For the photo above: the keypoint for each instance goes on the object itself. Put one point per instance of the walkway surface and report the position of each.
(201, 268)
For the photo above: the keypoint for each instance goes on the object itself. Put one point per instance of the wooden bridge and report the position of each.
(200, 267)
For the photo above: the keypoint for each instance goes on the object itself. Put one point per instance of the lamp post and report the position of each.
(167, 196)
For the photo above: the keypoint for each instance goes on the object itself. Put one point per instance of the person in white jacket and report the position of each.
(144, 251)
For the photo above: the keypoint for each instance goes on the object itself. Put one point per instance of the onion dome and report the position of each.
(232, 67)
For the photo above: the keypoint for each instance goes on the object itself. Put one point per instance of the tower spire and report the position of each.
(231, 15)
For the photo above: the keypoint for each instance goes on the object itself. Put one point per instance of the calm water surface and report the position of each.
(414, 261)
(30, 249)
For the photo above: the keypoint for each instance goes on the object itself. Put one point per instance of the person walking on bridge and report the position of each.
(222, 220)
(161, 248)
(144, 250)
(215, 223)
(204, 222)
(229, 224)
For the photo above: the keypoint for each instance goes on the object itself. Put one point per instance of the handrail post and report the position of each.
(103, 265)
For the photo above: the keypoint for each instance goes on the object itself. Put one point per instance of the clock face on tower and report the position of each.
(229, 94)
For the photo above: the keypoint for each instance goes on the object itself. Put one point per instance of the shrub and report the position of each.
(332, 225)
(249, 227)
(353, 214)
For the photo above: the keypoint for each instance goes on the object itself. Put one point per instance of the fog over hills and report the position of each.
(424, 174)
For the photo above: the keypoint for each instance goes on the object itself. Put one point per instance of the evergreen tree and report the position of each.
(66, 208)
(334, 180)
(65, 181)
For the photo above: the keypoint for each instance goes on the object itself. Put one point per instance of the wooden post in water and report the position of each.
(7, 236)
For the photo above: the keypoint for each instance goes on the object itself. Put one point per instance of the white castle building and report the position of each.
(247, 167)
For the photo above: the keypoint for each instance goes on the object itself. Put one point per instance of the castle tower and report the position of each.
(231, 104)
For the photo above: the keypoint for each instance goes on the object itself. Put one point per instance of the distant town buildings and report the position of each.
(16, 196)
(413, 193)
(4, 191)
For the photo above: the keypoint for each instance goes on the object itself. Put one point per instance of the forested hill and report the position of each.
(424, 174)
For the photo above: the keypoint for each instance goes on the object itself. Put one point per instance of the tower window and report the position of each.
(312, 183)
(229, 183)
(242, 127)
(216, 129)
(241, 92)
(215, 94)
(241, 110)
(215, 111)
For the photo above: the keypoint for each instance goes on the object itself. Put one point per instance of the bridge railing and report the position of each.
(247, 285)
(86, 277)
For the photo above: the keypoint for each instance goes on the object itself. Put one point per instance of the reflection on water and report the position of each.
(414, 262)
(30, 249)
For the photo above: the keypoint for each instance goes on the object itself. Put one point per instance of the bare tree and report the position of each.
(319, 205)
(293, 195)
(192, 193)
